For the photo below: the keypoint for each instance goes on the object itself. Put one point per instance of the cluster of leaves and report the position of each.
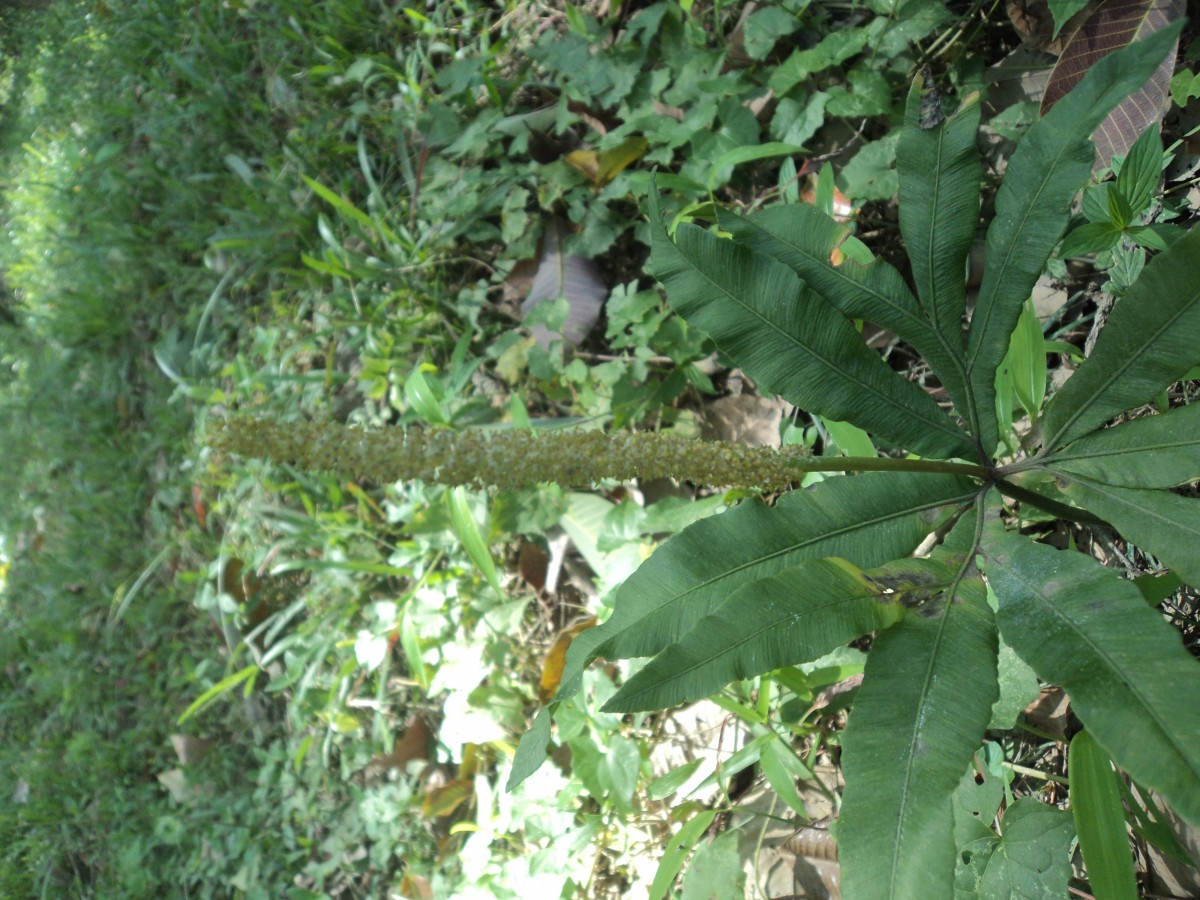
(832, 564)
(307, 210)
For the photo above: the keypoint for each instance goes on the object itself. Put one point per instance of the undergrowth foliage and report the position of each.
(825, 566)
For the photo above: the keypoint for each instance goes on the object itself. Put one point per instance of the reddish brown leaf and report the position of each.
(532, 561)
(1116, 24)
(413, 744)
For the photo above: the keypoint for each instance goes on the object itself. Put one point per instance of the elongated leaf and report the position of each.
(1152, 452)
(1032, 208)
(1160, 522)
(792, 341)
(796, 616)
(1128, 675)
(939, 207)
(868, 519)
(922, 708)
(467, 530)
(1116, 23)
(804, 239)
(1149, 342)
(1100, 820)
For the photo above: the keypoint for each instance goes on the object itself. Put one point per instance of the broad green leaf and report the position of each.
(868, 519)
(850, 440)
(976, 801)
(804, 239)
(531, 752)
(834, 48)
(939, 207)
(1129, 677)
(1148, 343)
(1100, 820)
(750, 153)
(1030, 859)
(796, 616)
(1159, 451)
(1164, 524)
(1094, 237)
(715, 870)
(791, 341)
(781, 767)
(1062, 10)
(1033, 205)
(922, 708)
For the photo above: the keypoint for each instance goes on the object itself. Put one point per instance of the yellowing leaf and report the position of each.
(552, 668)
(602, 167)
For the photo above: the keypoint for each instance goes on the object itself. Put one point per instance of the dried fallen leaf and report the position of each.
(1116, 24)
(603, 166)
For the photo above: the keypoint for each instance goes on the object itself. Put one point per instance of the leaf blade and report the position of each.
(939, 208)
(795, 616)
(1148, 343)
(868, 519)
(1160, 522)
(1127, 674)
(1152, 452)
(920, 712)
(1100, 820)
(792, 341)
(1050, 164)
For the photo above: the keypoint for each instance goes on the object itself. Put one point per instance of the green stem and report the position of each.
(885, 464)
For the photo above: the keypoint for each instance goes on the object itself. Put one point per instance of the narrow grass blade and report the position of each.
(1100, 820)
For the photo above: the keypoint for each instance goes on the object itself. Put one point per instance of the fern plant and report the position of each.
(778, 293)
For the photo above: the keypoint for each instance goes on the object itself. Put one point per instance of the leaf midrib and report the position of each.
(939, 422)
(1120, 672)
(792, 548)
(1107, 382)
